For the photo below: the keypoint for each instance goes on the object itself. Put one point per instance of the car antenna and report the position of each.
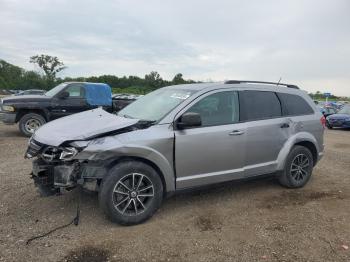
(279, 81)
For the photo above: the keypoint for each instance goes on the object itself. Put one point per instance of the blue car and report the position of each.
(341, 119)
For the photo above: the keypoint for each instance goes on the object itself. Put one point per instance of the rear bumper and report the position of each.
(8, 118)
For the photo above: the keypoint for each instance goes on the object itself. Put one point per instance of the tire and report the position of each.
(126, 204)
(30, 122)
(293, 176)
(328, 125)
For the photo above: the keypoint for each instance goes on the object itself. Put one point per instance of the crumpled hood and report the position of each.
(80, 126)
(338, 116)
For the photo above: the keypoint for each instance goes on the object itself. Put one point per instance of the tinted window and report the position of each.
(256, 105)
(294, 105)
(218, 109)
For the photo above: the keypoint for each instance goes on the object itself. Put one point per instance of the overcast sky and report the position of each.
(306, 42)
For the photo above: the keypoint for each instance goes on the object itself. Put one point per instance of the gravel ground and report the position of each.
(247, 221)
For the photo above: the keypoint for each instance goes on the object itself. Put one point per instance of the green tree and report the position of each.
(153, 80)
(10, 74)
(178, 79)
(51, 65)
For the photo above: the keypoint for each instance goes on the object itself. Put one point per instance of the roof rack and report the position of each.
(259, 82)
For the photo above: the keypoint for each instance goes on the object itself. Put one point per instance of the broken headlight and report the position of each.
(68, 153)
(72, 149)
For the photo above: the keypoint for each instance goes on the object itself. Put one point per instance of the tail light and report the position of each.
(323, 121)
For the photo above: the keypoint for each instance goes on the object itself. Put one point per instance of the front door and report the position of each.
(74, 103)
(215, 151)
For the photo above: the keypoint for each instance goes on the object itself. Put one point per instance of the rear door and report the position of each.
(267, 130)
(302, 116)
(74, 103)
(213, 152)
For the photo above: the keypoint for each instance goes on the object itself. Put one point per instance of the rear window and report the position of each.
(294, 105)
(256, 105)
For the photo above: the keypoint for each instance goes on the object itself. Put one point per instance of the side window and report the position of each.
(256, 105)
(75, 91)
(218, 109)
(294, 105)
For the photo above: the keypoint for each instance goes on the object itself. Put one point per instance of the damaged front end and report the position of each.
(55, 169)
(71, 151)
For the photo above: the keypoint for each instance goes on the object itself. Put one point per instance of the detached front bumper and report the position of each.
(8, 118)
(55, 176)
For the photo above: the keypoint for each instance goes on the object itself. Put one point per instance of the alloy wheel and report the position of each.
(300, 167)
(132, 194)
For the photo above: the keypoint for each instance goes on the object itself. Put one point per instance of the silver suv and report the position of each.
(180, 137)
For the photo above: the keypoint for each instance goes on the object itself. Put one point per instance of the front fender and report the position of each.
(99, 152)
(297, 138)
(28, 109)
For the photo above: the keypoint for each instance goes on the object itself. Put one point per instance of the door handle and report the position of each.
(236, 133)
(285, 125)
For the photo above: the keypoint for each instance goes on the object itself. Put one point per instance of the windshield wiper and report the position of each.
(146, 123)
(126, 116)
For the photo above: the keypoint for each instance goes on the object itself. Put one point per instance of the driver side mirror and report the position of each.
(189, 119)
(63, 95)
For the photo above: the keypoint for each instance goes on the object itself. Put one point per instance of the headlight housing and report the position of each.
(68, 153)
(8, 108)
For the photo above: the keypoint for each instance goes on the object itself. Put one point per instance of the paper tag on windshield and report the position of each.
(182, 96)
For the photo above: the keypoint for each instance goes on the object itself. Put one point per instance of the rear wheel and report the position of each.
(298, 168)
(131, 193)
(30, 122)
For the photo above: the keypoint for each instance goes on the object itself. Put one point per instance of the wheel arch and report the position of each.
(23, 111)
(146, 155)
(303, 139)
(145, 161)
(311, 146)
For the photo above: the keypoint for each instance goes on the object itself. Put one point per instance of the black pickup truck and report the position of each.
(32, 111)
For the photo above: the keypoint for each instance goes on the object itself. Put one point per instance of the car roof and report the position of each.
(89, 83)
(264, 86)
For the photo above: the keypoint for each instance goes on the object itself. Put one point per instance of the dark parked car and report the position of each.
(122, 100)
(327, 111)
(32, 111)
(30, 92)
(340, 119)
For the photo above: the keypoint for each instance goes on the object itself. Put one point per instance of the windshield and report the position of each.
(345, 110)
(155, 105)
(55, 90)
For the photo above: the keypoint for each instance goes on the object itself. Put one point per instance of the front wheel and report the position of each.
(328, 125)
(30, 122)
(131, 193)
(298, 168)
